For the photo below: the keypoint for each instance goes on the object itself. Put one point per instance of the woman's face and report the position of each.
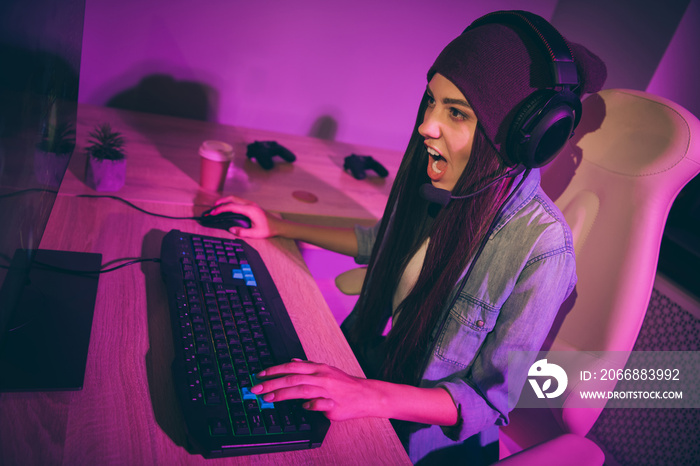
(448, 128)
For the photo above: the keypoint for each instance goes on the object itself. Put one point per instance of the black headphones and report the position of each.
(548, 117)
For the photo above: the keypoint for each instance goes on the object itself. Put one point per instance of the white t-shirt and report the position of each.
(409, 277)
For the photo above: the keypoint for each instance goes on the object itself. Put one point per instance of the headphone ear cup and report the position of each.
(541, 127)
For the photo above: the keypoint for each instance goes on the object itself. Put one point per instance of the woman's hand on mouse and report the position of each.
(262, 223)
(266, 225)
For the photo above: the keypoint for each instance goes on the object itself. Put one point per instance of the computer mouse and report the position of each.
(224, 220)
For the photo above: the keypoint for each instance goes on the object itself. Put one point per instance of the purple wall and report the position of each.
(353, 71)
(678, 73)
(282, 65)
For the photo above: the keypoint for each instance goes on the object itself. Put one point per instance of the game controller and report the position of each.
(359, 164)
(263, 151)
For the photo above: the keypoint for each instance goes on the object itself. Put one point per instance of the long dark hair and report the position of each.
(455, 234)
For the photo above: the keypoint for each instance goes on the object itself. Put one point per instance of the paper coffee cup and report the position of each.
(215, 159)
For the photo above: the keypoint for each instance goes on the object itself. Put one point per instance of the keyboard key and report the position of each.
(271, 421)
(250, 404)
(231, 388)
(219, 427)
(265, 405)
(302, 419)
(240, 425)
(255, 367)
(206, 370)
(205, 361)
(213, 396)
(203, 347)
(210, 383)
(244, 380)
(225, 364)
(235, 402)
(286, 418)
(257, 426)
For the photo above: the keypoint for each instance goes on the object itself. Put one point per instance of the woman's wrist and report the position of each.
(276, 227)
(409, 403)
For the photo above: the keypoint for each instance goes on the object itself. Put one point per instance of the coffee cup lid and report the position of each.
(218, 151)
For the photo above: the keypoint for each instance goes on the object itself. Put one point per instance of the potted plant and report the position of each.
(106, 161)
(53, 153)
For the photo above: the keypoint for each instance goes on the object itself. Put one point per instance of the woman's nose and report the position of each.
(430, 128)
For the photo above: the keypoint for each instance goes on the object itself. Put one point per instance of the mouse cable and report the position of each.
(96, 196)
(28, 190)
(43, 266)
(117, 198)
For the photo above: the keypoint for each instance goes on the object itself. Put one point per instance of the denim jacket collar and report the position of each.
(524, 195)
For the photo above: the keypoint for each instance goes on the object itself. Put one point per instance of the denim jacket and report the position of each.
(524, 273)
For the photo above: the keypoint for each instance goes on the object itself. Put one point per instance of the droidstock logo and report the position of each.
(541, 369)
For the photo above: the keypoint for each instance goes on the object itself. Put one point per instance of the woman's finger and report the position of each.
(320, 404)
(295, 392)
(224, 200)
(232, 200)
(293, 380)
(297, 366)
(244, 209)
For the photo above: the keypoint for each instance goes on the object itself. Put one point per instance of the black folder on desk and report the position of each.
(45, 320)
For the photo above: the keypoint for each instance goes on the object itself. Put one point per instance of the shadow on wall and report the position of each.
(564, 166)
(557, 176)
(325, 127)
(163, 95)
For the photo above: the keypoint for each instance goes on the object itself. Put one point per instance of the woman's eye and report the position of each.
(457, 114)
(431, 100)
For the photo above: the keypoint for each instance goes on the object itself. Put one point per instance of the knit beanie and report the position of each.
(497, 66)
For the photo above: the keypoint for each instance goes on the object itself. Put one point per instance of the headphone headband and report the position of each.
(546, 119)
(562, 63)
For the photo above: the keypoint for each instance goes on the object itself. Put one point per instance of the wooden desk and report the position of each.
(126, 412)
(163, 165)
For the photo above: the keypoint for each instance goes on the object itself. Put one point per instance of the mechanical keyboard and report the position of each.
(228, 323)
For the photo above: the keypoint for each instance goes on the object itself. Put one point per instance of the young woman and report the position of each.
(442, 372)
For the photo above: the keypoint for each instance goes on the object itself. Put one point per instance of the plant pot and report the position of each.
(50, 167)
(105, 175)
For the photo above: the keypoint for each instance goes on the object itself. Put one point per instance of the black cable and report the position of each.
(28, 190)
(44, 266)
(97, 196)
(494, 222)
(485, 239)
(84, 273)
(97, 272)
(117, 198)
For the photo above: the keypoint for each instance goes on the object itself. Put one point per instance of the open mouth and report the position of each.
(436, 164)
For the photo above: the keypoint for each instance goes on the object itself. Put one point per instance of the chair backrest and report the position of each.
(615, 182)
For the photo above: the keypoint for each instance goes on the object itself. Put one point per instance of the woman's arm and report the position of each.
(340, 240)
(266, 225)
(340, 396)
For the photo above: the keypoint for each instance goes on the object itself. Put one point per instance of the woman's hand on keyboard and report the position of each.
(328, 389)
(341, 396)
